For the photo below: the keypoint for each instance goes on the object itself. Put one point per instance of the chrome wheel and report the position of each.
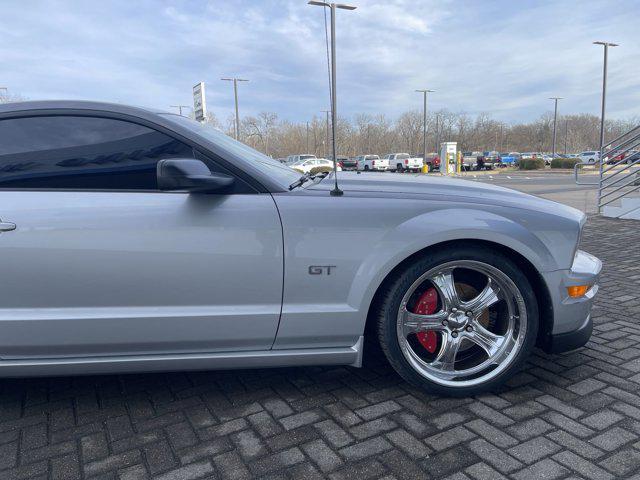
(462, 323)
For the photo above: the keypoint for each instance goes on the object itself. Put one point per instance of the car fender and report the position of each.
(435, 227)
(328, 291)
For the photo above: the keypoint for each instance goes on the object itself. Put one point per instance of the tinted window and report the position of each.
(82, 153)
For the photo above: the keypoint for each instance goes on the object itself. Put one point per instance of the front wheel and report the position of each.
(458, 322)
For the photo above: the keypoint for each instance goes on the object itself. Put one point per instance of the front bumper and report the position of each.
(572, 323)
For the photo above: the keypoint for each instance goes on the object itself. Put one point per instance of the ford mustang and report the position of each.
(132, 240)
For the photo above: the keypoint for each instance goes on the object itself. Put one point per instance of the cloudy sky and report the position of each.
(504, 58)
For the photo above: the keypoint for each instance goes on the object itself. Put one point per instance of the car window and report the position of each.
(401, 156)
(280, 173)
(73, 152)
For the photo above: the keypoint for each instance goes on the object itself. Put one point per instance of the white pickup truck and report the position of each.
(372, 162)
(403, 162)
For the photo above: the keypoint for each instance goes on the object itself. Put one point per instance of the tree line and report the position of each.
(379, 134)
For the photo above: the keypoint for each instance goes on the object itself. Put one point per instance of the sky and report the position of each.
(503, 58)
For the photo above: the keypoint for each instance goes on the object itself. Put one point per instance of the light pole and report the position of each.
(555, 120)
(424, 122)
(566, 131)
(606, 46)
(179, 107)
(333, 6)
(438, 135)
(235, 94)
(326, 143)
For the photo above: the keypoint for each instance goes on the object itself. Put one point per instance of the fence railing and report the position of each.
(618, 172)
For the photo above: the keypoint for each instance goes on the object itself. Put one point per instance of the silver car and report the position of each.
(140, 241)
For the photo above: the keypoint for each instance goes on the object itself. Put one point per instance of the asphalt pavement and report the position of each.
(560, 187)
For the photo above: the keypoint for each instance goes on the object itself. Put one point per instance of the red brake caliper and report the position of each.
(427, 304)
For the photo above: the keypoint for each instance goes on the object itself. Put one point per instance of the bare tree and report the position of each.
(259, 129)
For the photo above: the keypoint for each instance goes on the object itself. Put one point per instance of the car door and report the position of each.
(100, 262)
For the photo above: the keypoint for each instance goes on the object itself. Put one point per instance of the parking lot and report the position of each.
(575, 415)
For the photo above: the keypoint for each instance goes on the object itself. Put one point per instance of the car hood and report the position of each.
(441, 188)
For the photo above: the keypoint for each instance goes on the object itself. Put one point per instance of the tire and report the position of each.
(366, 168)
(399, 168)
(510, 323)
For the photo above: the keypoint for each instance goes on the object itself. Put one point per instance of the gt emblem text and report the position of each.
(320, 269)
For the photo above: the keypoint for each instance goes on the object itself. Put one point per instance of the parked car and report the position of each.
(491, 159)
(590, 156)
(292, 159)
(432, 161)
(137, 241)
(625, 158)
(347, 163)
(372, 162)
(632, 156)
(509, 159)
(403, 162)
(305, 166)
(470, 160)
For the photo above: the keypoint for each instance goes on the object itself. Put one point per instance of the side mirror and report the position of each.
(190, 175)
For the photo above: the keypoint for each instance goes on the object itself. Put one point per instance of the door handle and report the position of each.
(7, 226)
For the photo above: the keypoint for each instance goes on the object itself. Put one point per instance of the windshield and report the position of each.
(304, 157)
(267, 165)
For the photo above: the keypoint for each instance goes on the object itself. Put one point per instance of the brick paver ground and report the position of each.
(575, 415)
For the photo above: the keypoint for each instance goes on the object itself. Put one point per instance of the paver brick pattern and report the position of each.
(575, 415)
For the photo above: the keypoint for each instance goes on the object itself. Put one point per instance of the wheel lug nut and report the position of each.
(445, 323)
(469, 328)
(454, 309)
(454, 334)
(469, 314)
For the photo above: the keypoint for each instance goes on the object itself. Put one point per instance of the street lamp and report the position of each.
(606, 46)
(333, 6)
(438, 135)
(424, 121)
(326, 143)
(235, 94)
(179, 107)
(555, 120)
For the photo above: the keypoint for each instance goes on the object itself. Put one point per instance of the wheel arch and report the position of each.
(540, 288)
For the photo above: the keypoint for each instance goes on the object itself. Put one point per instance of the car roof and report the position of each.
(76, 105)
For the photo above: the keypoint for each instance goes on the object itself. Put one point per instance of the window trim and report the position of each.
(233, 170)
